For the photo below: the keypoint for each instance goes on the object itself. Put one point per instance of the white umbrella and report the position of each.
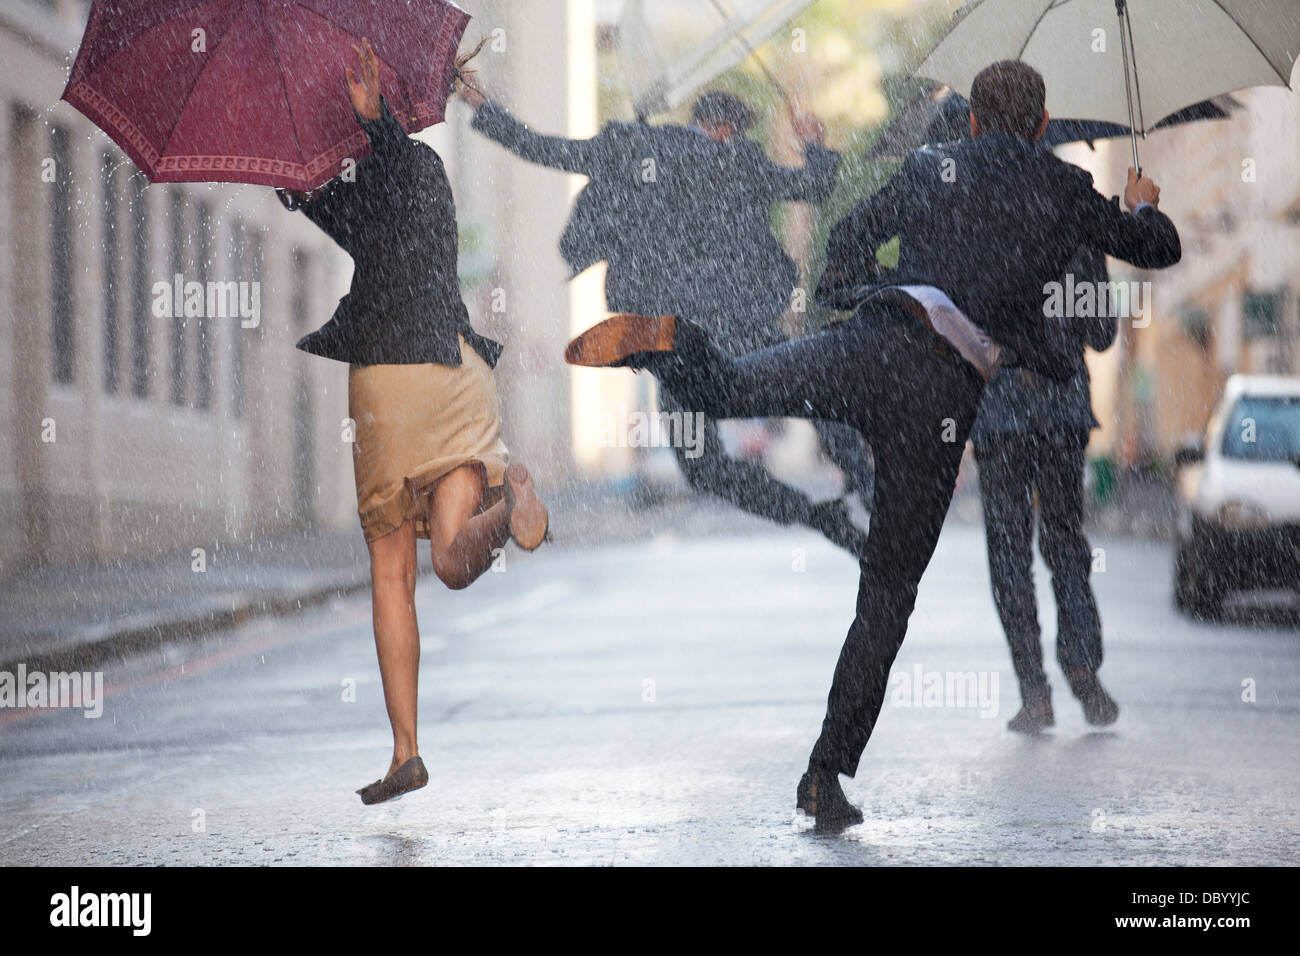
(670, 50)
(1124, 61)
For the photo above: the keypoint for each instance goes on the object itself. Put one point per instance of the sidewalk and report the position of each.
(70, 617)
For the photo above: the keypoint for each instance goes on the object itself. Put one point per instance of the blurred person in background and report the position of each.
(682, 216)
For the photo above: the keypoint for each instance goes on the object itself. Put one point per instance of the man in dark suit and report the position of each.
(682, 215)
(984, 225)
(1030, 437)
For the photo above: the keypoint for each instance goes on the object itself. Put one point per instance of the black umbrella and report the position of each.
(941, 115)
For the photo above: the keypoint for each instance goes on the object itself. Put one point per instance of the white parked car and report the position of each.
(1239, 496)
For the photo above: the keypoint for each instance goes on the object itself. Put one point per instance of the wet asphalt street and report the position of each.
(654, 703)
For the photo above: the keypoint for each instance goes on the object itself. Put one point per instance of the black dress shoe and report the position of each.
(832, 519)
(1099, 708)
(409, 776)
(1034, 717)
(820, 796)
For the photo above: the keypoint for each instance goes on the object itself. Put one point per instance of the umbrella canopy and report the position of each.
(670, 50)
(252, 91)
(942, 115)
(1158, 56)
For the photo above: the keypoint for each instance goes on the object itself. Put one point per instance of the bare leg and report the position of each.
(397, 634)
(462, 537)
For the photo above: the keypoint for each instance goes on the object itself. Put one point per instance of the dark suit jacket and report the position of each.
(1021, 402)
(991, 221)
(398, 222)
(683, 222)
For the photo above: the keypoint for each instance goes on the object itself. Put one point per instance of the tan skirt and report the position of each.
(415, 424)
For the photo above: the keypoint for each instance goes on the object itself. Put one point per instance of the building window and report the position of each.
(239, 259)
(246, 251)
(141, 288)
(112, 304)
(1260, 311)
(203, 358)
(304, 418)
(300, 275)
(63, 320)
(176, 221)
(1196, 324)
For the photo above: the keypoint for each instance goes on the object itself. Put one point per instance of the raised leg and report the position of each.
(463, 538)
(812, 377)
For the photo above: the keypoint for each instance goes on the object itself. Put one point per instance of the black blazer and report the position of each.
(398, 222)
(991, 221)
(684, 222)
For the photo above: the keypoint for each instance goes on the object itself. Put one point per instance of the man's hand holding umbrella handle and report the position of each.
(365, 92)
(1140, 190)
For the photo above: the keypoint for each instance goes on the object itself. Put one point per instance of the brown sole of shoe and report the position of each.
(529, 521)
(620, 336)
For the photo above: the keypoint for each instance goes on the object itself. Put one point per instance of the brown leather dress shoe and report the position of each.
(620, 337)
(528, 518)
(409, 776)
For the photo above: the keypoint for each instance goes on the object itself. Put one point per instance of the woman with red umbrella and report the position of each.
(428, 456)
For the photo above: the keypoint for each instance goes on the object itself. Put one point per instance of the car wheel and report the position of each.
(1195, 591)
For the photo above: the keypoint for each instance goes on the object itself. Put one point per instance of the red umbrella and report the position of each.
(252, 91)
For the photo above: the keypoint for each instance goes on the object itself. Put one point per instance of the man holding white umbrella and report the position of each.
(681, 214)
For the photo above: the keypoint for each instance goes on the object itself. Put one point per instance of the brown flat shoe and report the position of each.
(620, 337)
(409, 776)
(528, 518)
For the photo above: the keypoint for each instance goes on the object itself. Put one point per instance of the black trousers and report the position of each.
(744, 484)
(1012, 468)
(914, 400)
